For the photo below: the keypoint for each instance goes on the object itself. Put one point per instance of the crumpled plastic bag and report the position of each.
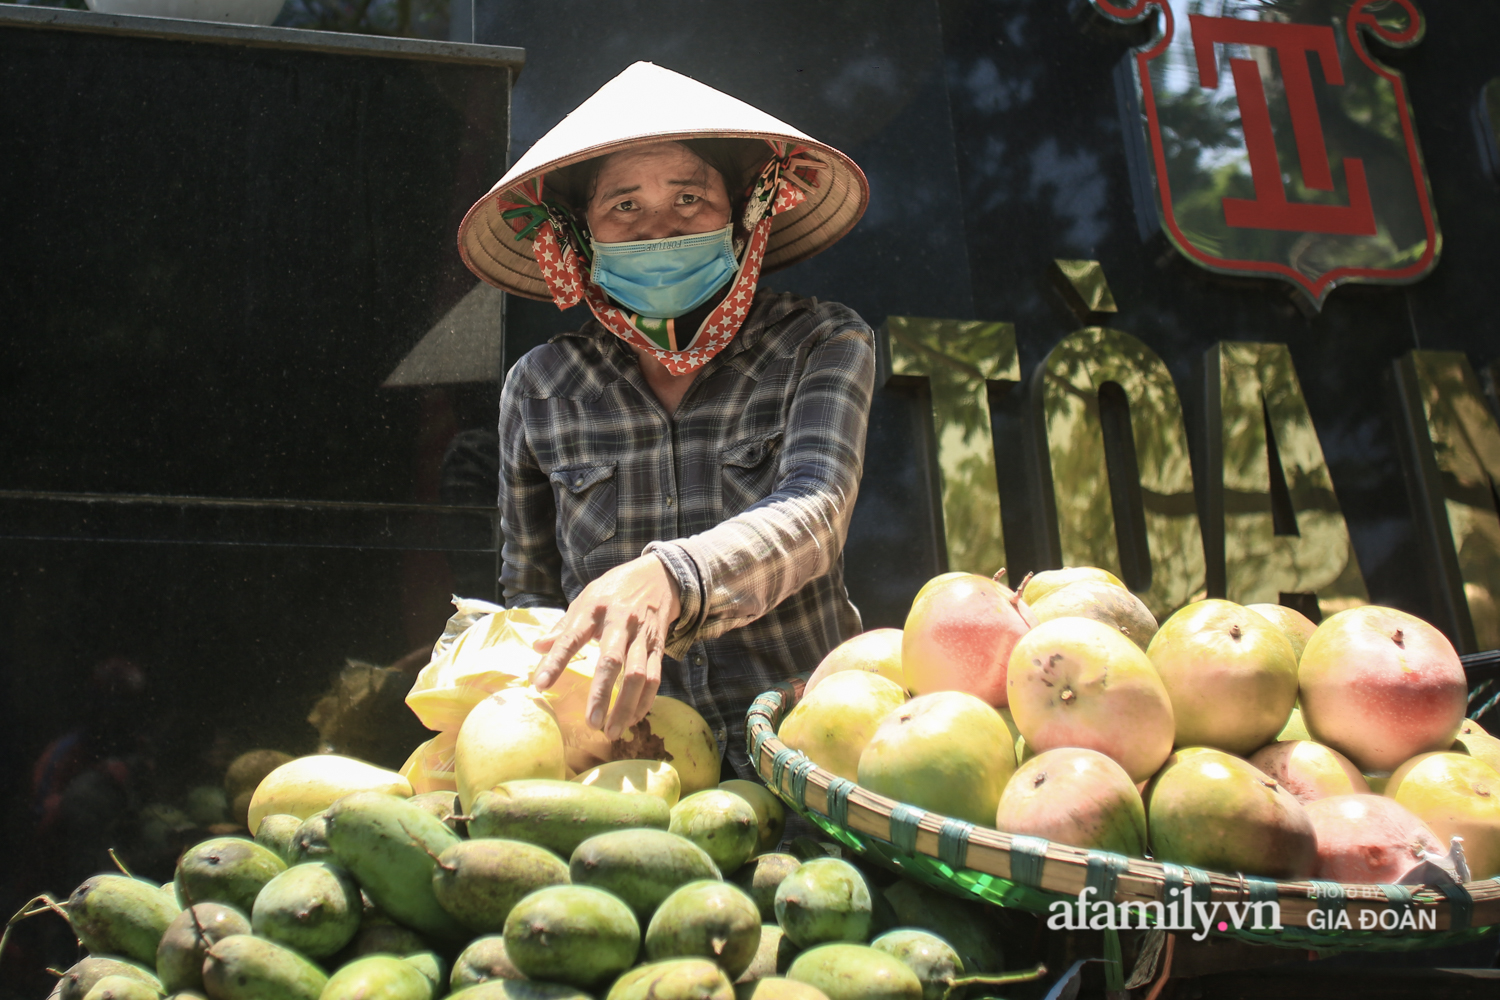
(491, 653)
(430, 766)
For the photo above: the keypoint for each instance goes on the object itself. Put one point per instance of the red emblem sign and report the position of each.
(1279, 145)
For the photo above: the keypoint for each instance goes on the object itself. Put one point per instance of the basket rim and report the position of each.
(1065, 871)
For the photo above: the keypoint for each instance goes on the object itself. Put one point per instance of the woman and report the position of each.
(679, 473)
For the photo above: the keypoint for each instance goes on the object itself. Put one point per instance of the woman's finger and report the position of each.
(631, 686)
(614, 642)
(570, 635)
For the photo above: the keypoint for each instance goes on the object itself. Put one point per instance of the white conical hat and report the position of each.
(646, 104)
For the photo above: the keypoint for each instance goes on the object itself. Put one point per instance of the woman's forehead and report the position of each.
(661, 161)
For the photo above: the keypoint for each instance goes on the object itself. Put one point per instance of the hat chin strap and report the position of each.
(776, 190)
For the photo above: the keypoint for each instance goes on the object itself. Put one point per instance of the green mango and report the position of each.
(773, 956)
(519, 989)
(378, 977)
(484, 959)
(382, 937)
(310, 842)
(276, 833)
(229, 870)
(244, 967)
(122, 988)
(929, 956)
(179, 955)
(572, 934)
(391, 847)
(966, 926)
(856, 972)
(642, 867)
(677, 979)
(824, 900)
(478, 881)
(775, 988)
(187, 995)
(722, 823)
(443, 805)
(312, 908)
(560, 815)
(431, 965)
(75, 983)
(761, 876)
(708, 919)
(118, 915)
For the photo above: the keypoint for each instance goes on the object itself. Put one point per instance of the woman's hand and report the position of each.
(630, 610)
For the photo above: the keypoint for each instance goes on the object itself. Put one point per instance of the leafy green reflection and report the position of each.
(1070, 381)
(1258, 385)
(958, 359)
(1466, 446)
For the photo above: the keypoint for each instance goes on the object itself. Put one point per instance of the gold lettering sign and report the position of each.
(1465, 450)
(1310, 552)
(958, 359)
(1158, 512)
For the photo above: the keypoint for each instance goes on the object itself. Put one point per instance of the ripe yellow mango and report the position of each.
(509, 735)
(309, 785)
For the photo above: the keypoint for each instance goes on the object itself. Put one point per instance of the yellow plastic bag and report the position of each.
(430, 766)
(492, 654)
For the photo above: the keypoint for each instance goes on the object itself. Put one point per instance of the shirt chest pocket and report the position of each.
(749, 470)
(587, 506)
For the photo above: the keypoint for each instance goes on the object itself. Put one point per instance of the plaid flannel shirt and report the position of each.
(745, 494)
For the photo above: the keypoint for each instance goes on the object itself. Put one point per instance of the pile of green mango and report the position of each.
(548, 890)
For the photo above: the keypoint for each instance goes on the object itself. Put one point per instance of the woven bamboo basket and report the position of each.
(1033, 874)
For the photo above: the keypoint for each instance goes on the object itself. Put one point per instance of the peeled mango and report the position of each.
(313, 909)
(510, 735)
(390, 847)
(930, 957)
(948, 752)
(826, 899)
(117, 915)
(309, 785)
(636, 777)
(75, 983)
(722, 823)
(676, 979)
(179, 956)
(856, 972)
(770, 814)
(572, 934)
(672, 731)
(833, 724)
(708, 919)
(1212, 810)
(641, 867)
(244, 967)
(479, 881)
(227, 870)
(378, 977)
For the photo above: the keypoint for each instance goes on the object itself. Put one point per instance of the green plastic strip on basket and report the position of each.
(1261, 890)
(1460, 905)
(904, 820)
(838, 800)
(1104, 870)
(1331, 900)
(953, 842)
(798, 770)
(779, 763)
(1026, 857)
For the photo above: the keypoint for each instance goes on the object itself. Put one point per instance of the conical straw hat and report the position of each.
(647, 104)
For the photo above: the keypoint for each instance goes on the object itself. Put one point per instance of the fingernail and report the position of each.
(596, 718)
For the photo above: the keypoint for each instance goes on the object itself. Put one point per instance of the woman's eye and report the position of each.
(687, 199)
(625, 206)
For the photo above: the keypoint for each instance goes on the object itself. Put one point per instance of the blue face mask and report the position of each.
(663, 279)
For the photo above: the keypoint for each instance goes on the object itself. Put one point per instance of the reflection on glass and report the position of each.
(958, 359)
(1280, 146)
(1070, 380)
(1466, 447)
(1085, 287)
(1258, 387)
